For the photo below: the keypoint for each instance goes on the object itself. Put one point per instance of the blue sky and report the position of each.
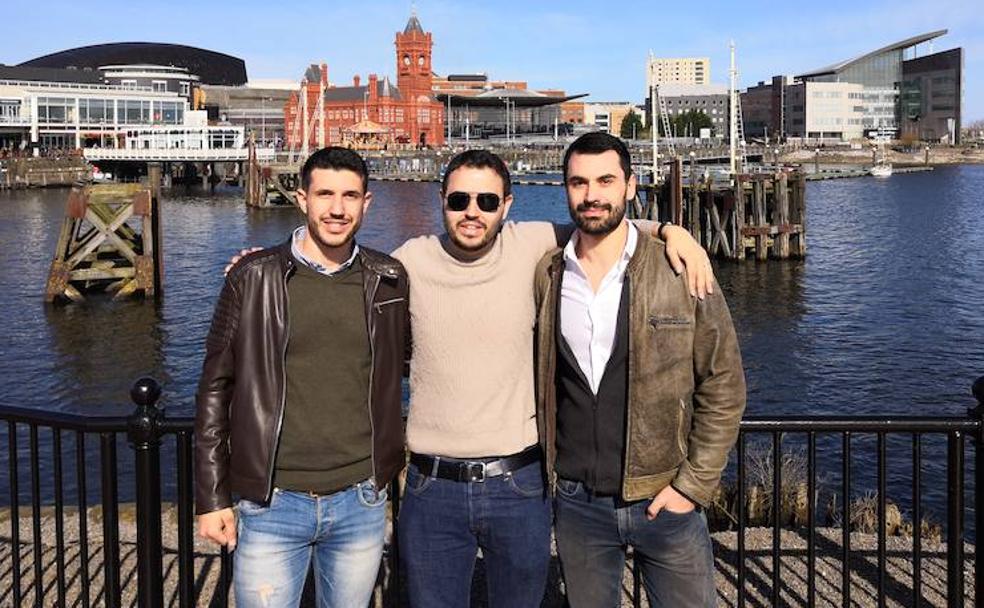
(583, 47)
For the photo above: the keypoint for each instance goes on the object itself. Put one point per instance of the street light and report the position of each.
(693, 157)
(776, 153)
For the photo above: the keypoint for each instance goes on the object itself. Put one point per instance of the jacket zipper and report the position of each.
(370, 320)
(283, 389)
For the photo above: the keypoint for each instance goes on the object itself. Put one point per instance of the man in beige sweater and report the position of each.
(475, 479)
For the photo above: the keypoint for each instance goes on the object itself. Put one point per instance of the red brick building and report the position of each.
(378, 113)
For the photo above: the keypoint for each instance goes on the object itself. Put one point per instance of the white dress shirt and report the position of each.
(588, 319)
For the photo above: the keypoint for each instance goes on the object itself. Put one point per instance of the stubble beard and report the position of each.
(601, 225)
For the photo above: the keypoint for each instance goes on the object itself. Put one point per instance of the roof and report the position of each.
(467, 77)
(32, 74)
(212, 67)
(413, 25)
(312, 73)
(692, 90)
(897, 46)
(367, 126)
(523, 98)
(383, 89)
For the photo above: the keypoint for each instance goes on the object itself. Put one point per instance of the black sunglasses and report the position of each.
(487, 201)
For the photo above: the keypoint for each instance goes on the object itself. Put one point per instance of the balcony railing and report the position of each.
(55, 566)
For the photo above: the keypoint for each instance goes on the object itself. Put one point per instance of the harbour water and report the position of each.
(884, 316)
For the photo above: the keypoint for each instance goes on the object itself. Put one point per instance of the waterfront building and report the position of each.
(881, 74)
(711, 99)
(257, 107)
(91, 96)
(824, 110)
(762, 108)
(683, 70)
(901, 93)
(931, 96)
(67, 115)
(401, 113)
(471, 84)
(607, 116)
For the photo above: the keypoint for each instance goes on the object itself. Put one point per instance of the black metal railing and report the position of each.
(150, 434)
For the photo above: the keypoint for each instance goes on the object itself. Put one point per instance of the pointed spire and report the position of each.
(413, 25)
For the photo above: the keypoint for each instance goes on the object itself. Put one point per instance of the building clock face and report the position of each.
(406, 60)
(420, 61)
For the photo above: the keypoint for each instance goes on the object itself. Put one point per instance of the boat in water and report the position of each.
(881, 170)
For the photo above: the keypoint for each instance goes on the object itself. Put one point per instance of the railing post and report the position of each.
(143, 431)
(978, 414)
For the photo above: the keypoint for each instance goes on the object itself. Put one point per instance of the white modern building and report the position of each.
(69, 115)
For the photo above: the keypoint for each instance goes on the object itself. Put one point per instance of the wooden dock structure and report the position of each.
(110, 242)
(756, 215)
(30, 172)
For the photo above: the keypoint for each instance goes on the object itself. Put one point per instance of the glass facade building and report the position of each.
(880, 73)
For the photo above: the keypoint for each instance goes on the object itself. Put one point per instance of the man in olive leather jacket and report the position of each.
(640, 391)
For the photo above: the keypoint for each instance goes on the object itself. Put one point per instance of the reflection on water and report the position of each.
(884, 316)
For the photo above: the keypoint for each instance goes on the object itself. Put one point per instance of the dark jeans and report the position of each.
(593, 532)
(443, 524)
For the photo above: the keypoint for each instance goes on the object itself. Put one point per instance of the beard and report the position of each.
(598, 225)
(470, 246)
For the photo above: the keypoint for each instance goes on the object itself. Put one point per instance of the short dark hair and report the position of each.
(337, 158)
(598, 142)
(479, 159)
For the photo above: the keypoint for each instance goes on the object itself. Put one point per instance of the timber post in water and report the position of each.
(756, 214)
(98, 250)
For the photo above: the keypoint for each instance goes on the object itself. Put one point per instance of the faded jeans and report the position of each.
(674, 550)
(343, 532)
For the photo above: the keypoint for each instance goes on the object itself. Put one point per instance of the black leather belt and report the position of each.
(457, 469)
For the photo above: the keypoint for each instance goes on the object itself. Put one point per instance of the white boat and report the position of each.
(881, 170)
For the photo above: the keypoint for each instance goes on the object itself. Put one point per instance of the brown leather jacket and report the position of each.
(686, 386)
(241, 394)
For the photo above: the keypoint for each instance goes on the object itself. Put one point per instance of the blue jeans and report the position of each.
(593, 532)
(443, 524)
(344, 532)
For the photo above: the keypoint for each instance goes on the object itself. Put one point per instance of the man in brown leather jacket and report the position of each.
(299, 403)
(640, 391)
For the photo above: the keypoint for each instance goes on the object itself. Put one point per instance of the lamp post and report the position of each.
(693, 158)
(816, 160)
(775, 151)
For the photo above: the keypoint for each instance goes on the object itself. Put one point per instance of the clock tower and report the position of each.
(413, 60)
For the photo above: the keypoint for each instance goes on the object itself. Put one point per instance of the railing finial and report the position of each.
(145, 391)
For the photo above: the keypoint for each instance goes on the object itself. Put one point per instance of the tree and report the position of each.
(691, 122)
(631, 126)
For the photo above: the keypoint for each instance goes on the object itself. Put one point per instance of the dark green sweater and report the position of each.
(326, 439)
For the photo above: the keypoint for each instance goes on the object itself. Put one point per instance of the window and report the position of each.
(96, 111)
(56, 110)
(159, 86)
(134, 112)
(128, 85)
(185, 89)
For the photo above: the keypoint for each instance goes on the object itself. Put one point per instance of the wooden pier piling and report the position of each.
(760, 215)
(109, 241)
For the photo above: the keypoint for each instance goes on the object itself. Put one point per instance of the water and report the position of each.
(885, 315)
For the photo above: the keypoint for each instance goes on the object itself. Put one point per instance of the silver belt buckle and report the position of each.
(475, 471)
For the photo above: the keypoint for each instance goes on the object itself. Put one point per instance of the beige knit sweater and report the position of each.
(471, 373)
